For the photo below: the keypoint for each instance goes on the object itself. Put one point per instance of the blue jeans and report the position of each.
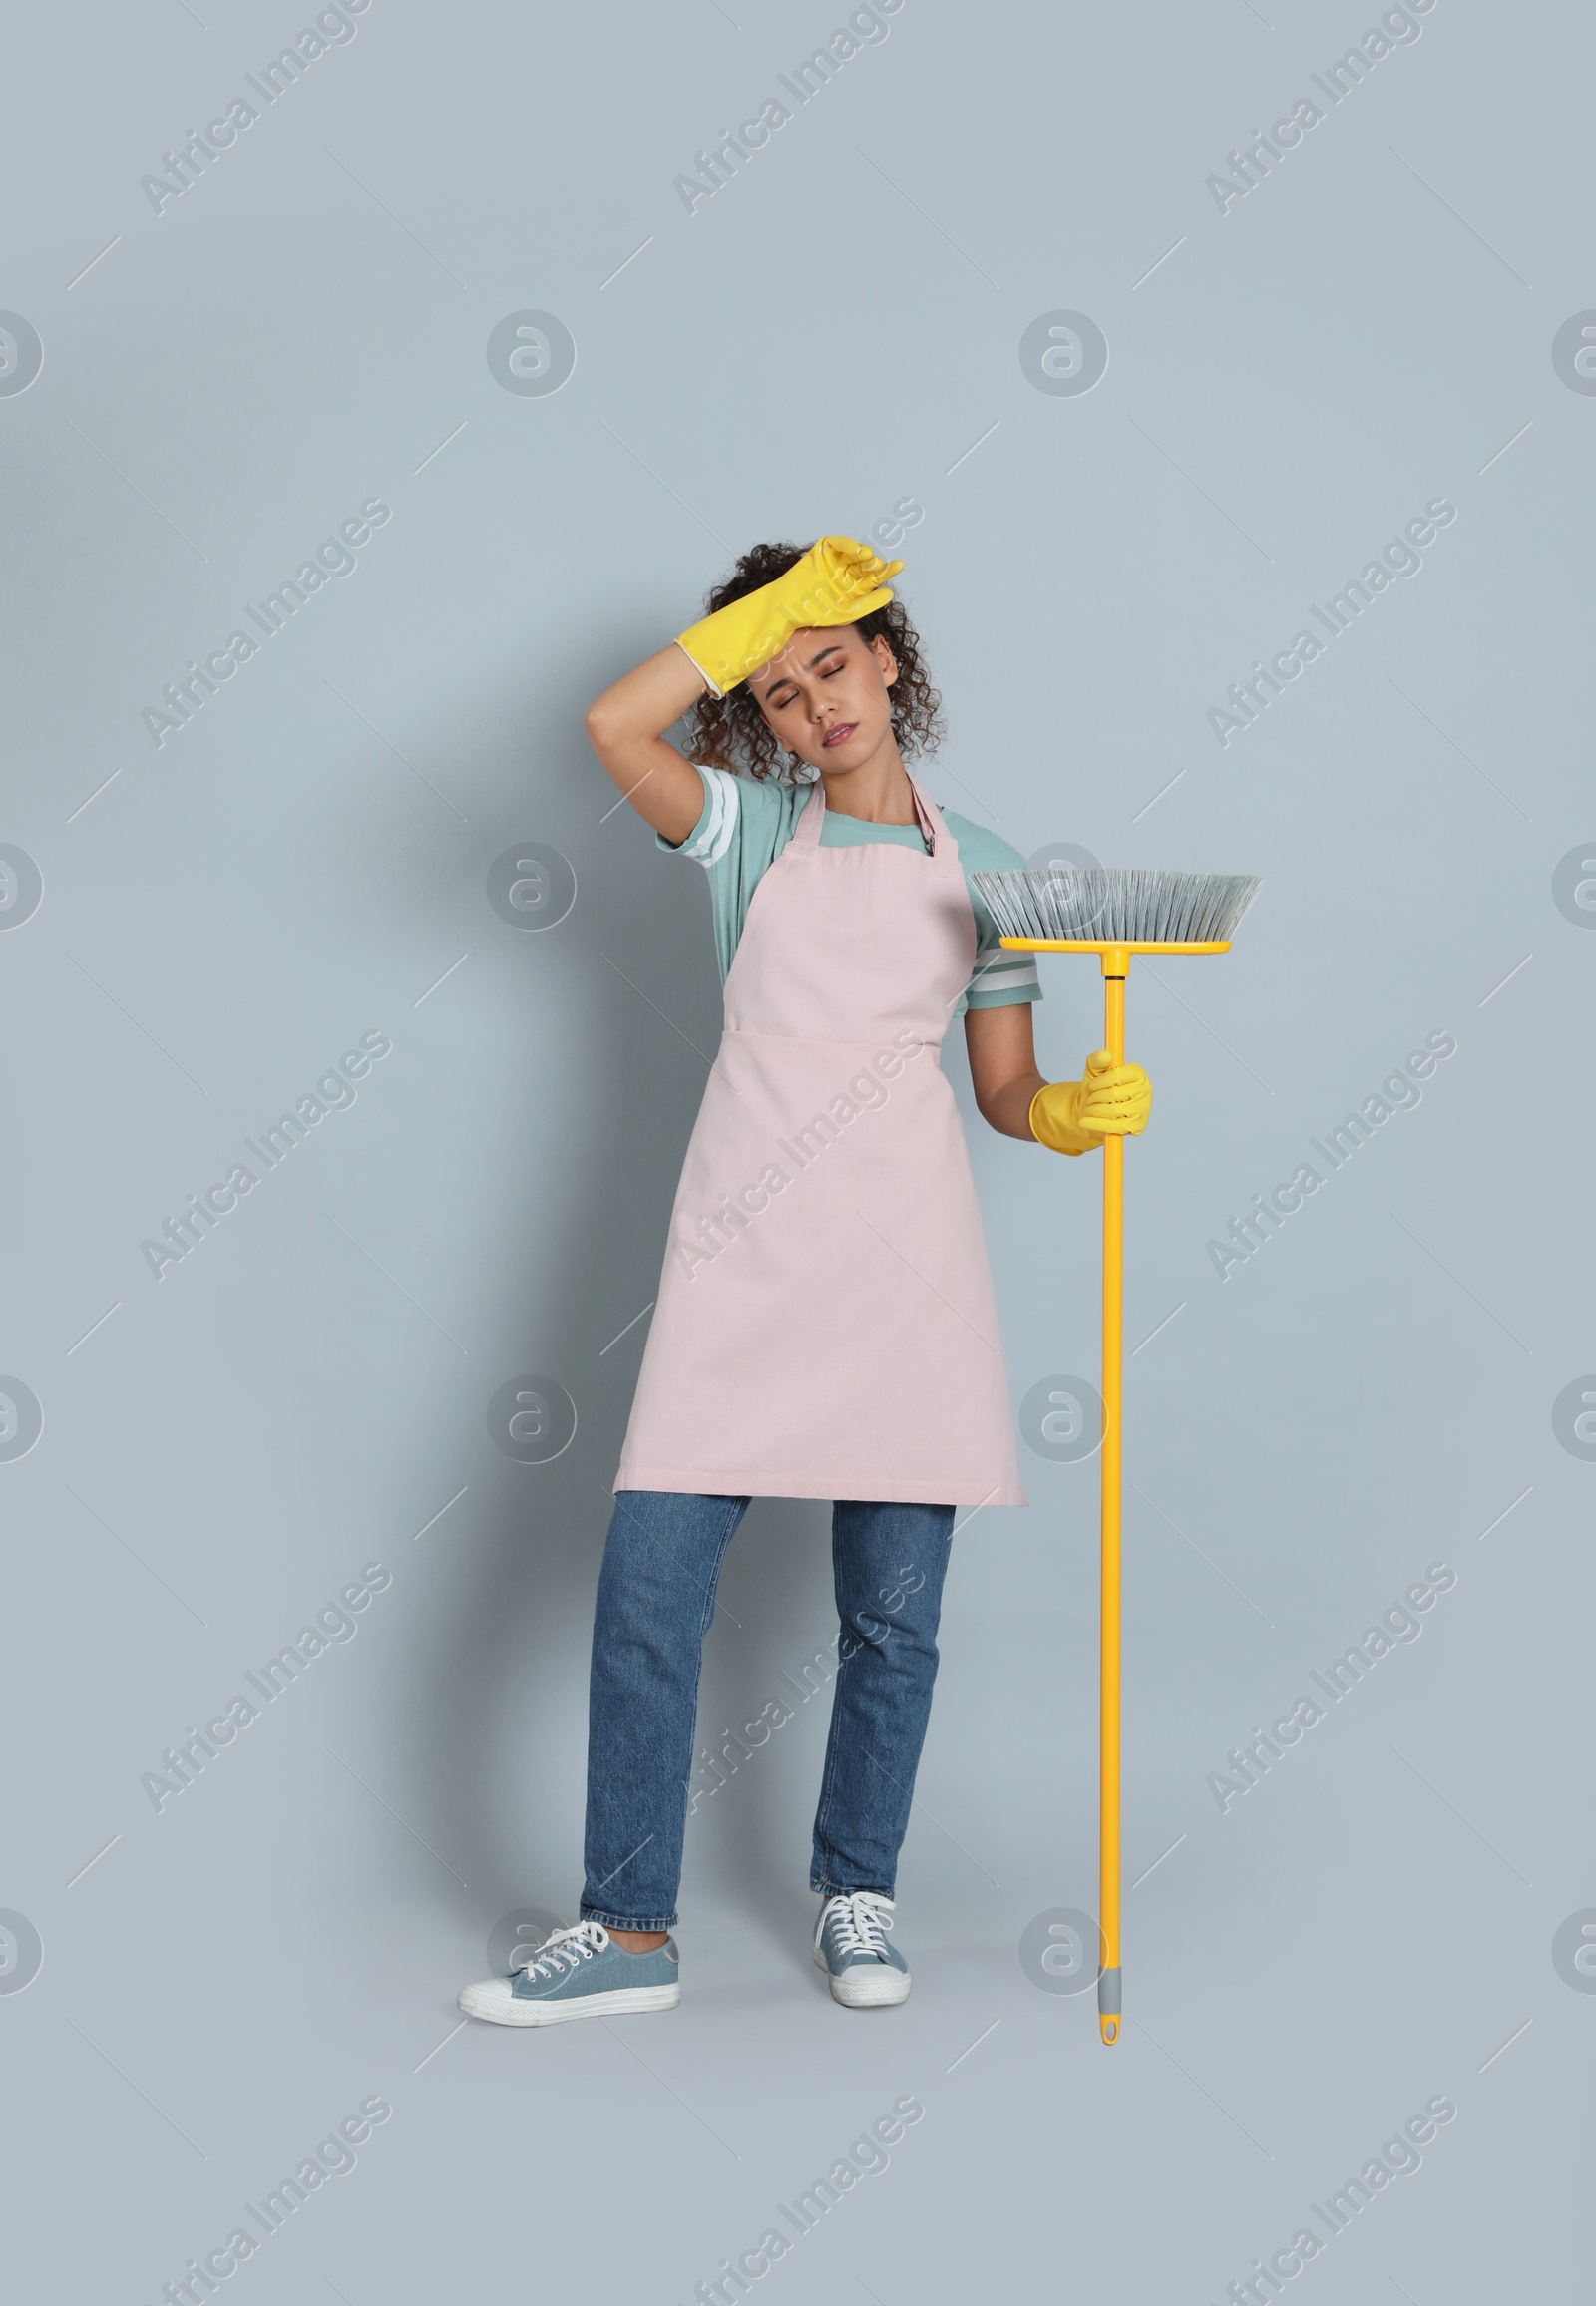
(657, 1597)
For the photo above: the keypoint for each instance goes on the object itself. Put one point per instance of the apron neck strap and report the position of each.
(939, 840)
(811, 818)
(806, 833)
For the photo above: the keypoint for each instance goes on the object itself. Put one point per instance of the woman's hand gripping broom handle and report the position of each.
(1116, 967)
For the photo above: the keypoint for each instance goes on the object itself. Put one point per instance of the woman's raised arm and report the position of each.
(626, 728)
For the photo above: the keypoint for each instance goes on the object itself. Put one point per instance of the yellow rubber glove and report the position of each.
(1073, 1116)
(837, 581)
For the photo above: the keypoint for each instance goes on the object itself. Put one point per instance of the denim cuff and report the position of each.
(844, 1890)
(591, 1913)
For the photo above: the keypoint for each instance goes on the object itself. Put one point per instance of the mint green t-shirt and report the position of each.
(746, 824)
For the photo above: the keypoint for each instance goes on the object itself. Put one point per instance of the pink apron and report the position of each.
(825, 1325)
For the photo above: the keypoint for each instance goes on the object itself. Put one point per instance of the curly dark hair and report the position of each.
(732, 732)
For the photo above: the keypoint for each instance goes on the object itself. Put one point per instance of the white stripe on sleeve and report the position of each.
(1004, 972)
(719, 827)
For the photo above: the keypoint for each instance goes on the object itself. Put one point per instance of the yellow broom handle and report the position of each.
(1115, 963)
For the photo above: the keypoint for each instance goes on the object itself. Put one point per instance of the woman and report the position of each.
(825, 1323)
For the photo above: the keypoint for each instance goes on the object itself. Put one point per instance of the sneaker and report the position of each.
(577, 1973)
(851, 1945)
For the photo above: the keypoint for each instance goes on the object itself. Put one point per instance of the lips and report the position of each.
(838, 735)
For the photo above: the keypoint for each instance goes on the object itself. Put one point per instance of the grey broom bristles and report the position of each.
(1118, 904)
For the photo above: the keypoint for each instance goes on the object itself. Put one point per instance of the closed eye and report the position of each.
(786, 691)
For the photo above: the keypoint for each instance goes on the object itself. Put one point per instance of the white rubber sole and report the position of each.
(494, 2001)
(876, 1987)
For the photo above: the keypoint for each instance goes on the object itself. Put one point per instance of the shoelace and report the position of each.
(857, 1921)
(564, 1948)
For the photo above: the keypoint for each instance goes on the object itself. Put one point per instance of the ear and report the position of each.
(881, 650)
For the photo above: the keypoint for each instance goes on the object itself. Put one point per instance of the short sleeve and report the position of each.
(741, 830)
(1000, 978)
(716, 828)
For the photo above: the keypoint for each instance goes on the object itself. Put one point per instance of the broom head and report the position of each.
(1097, 905)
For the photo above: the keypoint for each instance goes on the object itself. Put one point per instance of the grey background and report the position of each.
(224, 1448)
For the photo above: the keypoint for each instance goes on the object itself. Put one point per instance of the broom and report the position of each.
(1113, 911)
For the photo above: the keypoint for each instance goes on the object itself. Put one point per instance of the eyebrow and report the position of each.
(809, 663)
